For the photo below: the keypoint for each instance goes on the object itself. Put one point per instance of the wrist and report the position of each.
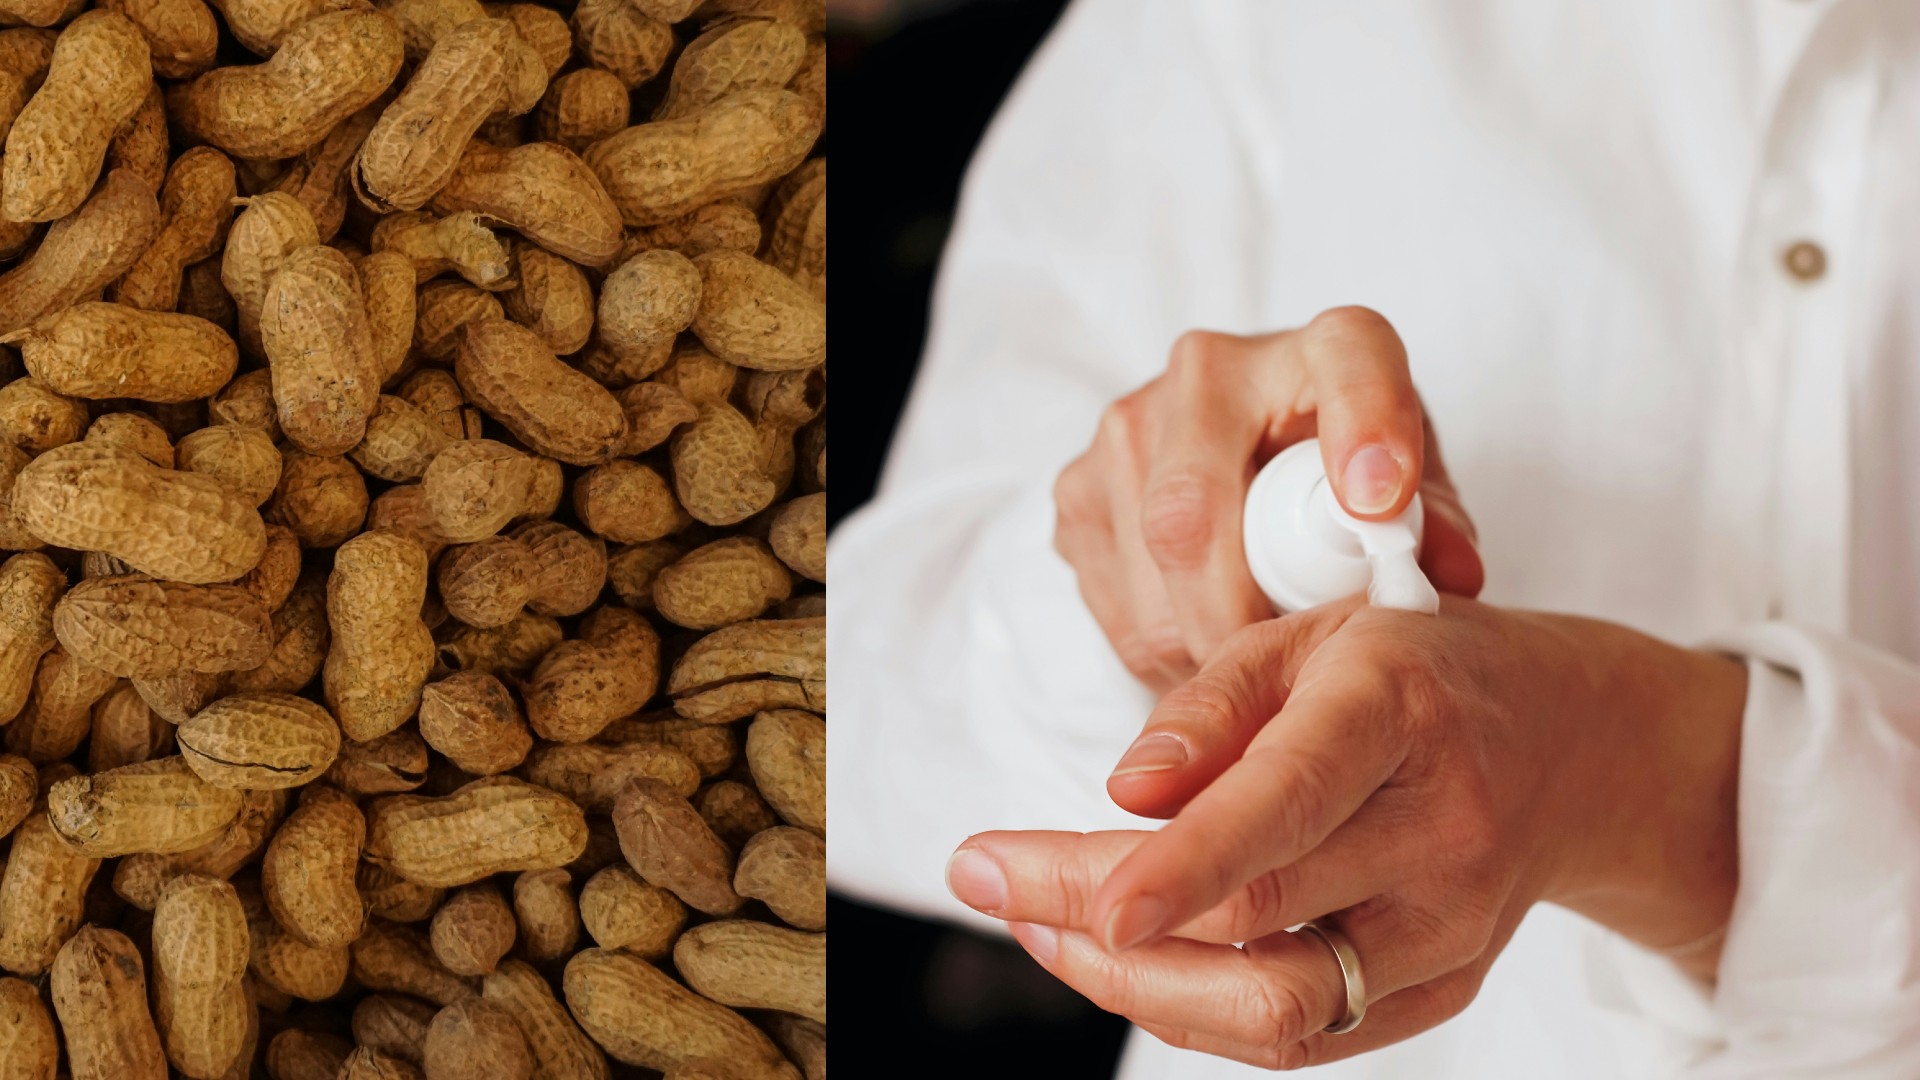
(1653, 849)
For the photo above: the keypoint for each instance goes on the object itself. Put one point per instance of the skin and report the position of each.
(1422, 781)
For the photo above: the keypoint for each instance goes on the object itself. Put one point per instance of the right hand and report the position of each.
(1149, 516)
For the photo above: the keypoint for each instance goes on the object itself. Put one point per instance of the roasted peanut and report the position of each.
(737, 143)
(753, 315)
(461, 242)
(155, 806)
(243, 458)
(642, 1017)
(475, 1037)
(549, 918)
(667, 843)
(622, 38)
(628, 503)
(381, 651)
(582, 107)
(313, 326)
(721, 226)
(581, 686)
(734, 811)
(593, 775)
(738, 54)
(98, 350)
(490, 826)
(508, 372)
(551, 297)
(561, 1051)
(787, 752)
(196, 204)
(256, 741)
(272, 226)
(756, 965)
(137, 627)
(541, 190)
(644, 305)
(473, 930)
(200, 950)
(322, 499)
(30, 585)
(133, 431)
(307, 877)
(397, 958)
(786, 868)
(100, 995)
(98, 77)
(721, 583)
(83, 252)
(747, 667)
(36, 418)
(797, 226)
(622, 912)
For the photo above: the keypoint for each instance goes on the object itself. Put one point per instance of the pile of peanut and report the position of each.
(412, 503)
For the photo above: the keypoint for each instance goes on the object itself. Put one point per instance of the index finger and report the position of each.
(1304, 774)
(1372, 432)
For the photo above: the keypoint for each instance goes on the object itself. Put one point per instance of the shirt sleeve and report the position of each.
(1820, 972)
(1103, 214)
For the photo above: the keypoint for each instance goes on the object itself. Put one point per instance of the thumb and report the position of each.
(1367, 414)
(1204, 726)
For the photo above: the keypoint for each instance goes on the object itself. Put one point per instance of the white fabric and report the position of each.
(1575, 213)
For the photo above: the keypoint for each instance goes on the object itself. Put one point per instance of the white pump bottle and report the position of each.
(1305, 549)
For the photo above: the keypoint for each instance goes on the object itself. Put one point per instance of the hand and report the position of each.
(1149, 516)
(1421, 781)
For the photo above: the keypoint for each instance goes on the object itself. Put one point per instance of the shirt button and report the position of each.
(1805, 260)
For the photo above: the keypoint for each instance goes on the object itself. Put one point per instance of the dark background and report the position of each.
(913, 86)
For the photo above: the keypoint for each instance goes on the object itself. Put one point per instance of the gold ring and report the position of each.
(1343, 951)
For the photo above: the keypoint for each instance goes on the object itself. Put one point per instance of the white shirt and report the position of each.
(1575, 214)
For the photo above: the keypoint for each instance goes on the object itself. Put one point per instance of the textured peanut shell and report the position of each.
(324, 71)
(392, 897)
(126, 731)
(756, 965)
(322, 499)
(798, 534)
(620, 37)
(642, 1017)
(136, 627)
(542, 190)
(582, 107)
(397, 958)
(627, 502)
(721, 226)
(259, 741)
(609, 671)
(753, 315)
(300, 640)
(444, 306)
(667, 844)
(735, 55)
(243, 458)
(393, 1024)
(570, 568)
(138, 878)
(141, 146)
(36, 418)
(561, 1051)
(486, 583)
(719, 473)
(58, 716)
(751, 666)
(471, 718)
(272, 226)
(490, 826)
(200, 950)
(512, 649)
(13, 535)
(381, 651)
(83, 252)
(133, 431)
(721, 583)
(181, 34)
(632, 569)
(155, 806)
(734, 811)
(712, 748)
(401, 441)
(415, 145)
(246, 401)
(622, 912)
(659, 171)
(29, 1046)
(797, 226)
(307, 876)
(787, 752)
(508, 372)
(288, 965)
(297, 1054)
(366, 1063)
(99, 75)
(98, 350)
(318, 177)
(313, 326)
(436, 392)
(648, 300)
(43, 891)
(196, 205)
(786, 868)
(473, 930)
(474, 487)
(593, 775)
(30, 585)
(100, 995)
(654, 412)
(25, 53)
(461, 242)
(19, 781)
(549, 919)
(551, 297)
(475, 1037)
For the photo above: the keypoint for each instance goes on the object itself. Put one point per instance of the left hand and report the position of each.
(1421, 781)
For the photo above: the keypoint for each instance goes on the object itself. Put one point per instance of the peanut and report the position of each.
(300, 640)
(242, 458)
(642, 1017)
(307, 877)
(13, 537)
(622, 912)
(551, 297)
(747, 667)
(721, 583)
(787, 753)
(133, 431)
(256, 741)
(549, 919)
(367, 1064)
(155, 806)
(142, 145)
(508, 372)
(393, 1024)
(755, 965)
(582, 107)
(83, 252)
(322, 499)
(200, 950)
(196, 205)
(261, 25)
(325, 70)
(43, 890)
(561, 1051)
(313, 326)
(30, 585)
(392, 897)
(58, 716)
(543, 191)
(620, 37)
(136, 627)
(387, 282)
(401, 441)
(734, 811)
(139, 877)
(581, 686)
(464, 79)
(181, 34)
(97, 350)
(570, 568)
(667, 844)
(754, 316)
(804, 1040)
(797, 229)
(473, 930)
(786, 868)
(381, 650)
(711, 747)
(486, 583)
(733, 145)
(798, 534)
(36, 418)
(19, 781)
(472, 719)
(475, 1037)
(593, 775)
(512, 649)
(741, 54)
(628, 503)
(644, 305)
(474, 487)
(125, 731)
(721, 226)
(397, 958)
(318, 177)
(443, 308)
(461, 242)
(719, 472)
(271, 227)
(29, 1049)
(295, 1054)
(100, 995)
(490, 826)
(98, 77)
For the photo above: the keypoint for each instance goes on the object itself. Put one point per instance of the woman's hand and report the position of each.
(1418, 781)
(1149, 516)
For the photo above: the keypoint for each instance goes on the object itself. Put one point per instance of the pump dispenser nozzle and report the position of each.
(1305, 549)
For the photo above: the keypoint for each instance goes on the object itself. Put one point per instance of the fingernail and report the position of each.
(1152, 753)
(1134, 921)
(1372, 479)
(977, 880)
(1042, 941)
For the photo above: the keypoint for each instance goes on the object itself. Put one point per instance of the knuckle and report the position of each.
(1176, 521)
(1349, 321)
(1277, 1014)
(1197, 349)
(1148, 651)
